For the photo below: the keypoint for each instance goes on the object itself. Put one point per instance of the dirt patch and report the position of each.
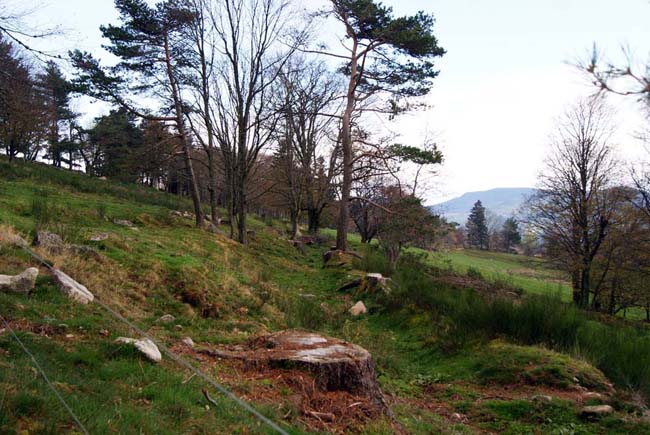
(43, 330)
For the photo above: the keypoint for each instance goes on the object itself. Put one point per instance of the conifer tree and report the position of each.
(153, 50)
(510, 233)
(477, 230)
(386, 55)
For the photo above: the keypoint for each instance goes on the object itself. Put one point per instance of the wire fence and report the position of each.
(44, 375)
(174, 357)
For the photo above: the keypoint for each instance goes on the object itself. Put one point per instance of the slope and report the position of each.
(220, 292)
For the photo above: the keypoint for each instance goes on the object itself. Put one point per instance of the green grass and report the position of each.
(532, 275)
(221, 292)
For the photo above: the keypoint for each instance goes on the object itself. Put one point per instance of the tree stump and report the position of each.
(335, 364)
(370, 284)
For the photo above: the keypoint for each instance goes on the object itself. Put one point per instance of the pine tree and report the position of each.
(388, 55)
(477, 230)
(510, 233)
(56, 92)
(153, 50)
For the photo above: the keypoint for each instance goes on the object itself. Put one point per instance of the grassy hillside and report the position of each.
(446, 362)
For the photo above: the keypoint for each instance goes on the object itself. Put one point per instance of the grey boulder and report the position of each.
(71, 288)
(147, 347)
(23, 283)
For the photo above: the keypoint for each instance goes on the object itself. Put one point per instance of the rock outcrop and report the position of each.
(23, 283)
(370, 284)
(72, 288)
(338, 258)
(54, 244)
(167, 318)
(49, 241)
(99, 237)
(147, 347)
(124, 223)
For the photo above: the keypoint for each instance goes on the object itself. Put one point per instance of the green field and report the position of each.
(532, 275)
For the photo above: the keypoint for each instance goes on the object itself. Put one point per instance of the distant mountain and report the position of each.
(504, 202)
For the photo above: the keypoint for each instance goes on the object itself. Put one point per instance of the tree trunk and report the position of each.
(346, 146)
(313, 216)
(293, 216)
(612, 300)
(241, 218)
(584, 287)
(187, 152)
(212, 175)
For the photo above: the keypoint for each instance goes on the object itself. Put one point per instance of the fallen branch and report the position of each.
(208, 398)
(322, 416)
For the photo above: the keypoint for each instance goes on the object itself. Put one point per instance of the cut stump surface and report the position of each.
(335, 364)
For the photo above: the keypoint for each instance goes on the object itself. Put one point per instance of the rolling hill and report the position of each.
(501, 201)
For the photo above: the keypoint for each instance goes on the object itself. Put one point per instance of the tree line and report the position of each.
(238, 105)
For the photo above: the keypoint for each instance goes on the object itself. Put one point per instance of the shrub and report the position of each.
(303, 312)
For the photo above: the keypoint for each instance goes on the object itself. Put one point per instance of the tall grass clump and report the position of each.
(41, 208)
(620, 351)
(373, 261)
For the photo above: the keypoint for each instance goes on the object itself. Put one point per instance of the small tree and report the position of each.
(408, 222)
(476, 226)
(510, 234)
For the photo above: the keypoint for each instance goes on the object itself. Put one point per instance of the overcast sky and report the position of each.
(503, 82)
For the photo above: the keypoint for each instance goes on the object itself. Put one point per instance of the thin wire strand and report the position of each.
(198, 372)
(44, 375)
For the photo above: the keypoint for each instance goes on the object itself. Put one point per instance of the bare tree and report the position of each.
(200, 77)
(249, 36)
(306, 92)
(573, 206)
(627, 79)
(13, 27)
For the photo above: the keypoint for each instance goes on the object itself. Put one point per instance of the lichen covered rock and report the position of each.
(147, 347)
(23, 283)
